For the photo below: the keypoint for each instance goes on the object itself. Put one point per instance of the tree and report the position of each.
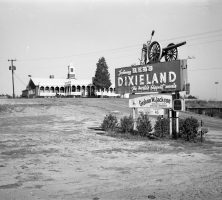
(102, 76)
(191, 97)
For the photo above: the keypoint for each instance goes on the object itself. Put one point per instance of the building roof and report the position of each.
(48, 81)
(78, 82)
(60, 82)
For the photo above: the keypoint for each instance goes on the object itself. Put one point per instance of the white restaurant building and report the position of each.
(69, 87)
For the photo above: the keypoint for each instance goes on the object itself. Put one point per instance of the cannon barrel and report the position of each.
(174, 46)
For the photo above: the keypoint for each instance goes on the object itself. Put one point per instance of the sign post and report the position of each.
(177, 124)
(171, 122)
(178, 105)
(134, 118)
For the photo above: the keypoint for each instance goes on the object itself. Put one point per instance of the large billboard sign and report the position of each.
(156, 77)
(153, 101)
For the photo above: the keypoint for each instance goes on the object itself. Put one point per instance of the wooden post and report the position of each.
(171, 122)
(134, 119)
(177, 124)
(12, 68)
(201, 133)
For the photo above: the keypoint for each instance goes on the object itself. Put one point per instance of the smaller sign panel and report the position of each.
(155, 101)
(151, 111)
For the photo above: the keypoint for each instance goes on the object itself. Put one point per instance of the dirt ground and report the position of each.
(49, 150)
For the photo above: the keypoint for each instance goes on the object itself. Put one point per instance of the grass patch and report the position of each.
(10, 186)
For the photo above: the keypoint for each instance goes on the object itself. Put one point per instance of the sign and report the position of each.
(12, 67)
(151, 111)
(187, 86)
(156, 77)
(178, 105)
(154, 101)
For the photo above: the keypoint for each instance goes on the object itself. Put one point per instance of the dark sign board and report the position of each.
(178, 105)
(156, 77)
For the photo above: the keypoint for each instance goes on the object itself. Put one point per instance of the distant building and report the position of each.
(69, 87)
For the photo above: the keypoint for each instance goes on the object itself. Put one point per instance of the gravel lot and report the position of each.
(48, 150)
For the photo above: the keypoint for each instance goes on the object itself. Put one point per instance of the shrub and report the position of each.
(109, 122)
(126, 124)
(161, 127)
(189, 129)
(144, 126)
(181, 124)
(204, 130)
(219, 115)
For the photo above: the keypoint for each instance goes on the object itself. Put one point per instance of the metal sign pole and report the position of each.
(171, 122)
(134, 119)
(177, 124)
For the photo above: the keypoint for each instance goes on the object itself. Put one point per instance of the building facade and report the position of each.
(69, 87)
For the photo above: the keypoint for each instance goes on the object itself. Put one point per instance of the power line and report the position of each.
(80, 54)
(16, 76)
(206, 69)
(207, 42)
(193, 35)
(205, 37)
(124, 47)
(130, 46)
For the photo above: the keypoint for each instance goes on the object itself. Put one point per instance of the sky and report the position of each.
(45, 36)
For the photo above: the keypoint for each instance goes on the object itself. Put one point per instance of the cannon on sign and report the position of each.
(155, 52)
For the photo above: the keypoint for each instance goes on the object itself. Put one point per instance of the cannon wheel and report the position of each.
(155, 52)
(171, 54)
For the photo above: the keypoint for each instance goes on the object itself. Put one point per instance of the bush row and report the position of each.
(188, 128)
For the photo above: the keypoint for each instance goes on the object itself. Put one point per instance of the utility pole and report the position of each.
(12, 67)
(216, 83)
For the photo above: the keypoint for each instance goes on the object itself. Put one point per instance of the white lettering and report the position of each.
(172, 76)
(120, 81)
(145, 87)
(155, 79)
(163, 77)
(134, 70)
(134, 88)
(174, 86)
(125, 81)
(150, 68)
(141, 79)
(136, 83)
(131, 80)
(124, 72)
(144, 69)
(147, 79)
